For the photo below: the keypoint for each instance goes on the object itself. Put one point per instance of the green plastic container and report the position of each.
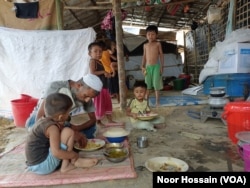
(179, 84)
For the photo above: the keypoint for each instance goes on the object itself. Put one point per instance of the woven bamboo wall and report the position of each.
(200, 41)
(243, 14)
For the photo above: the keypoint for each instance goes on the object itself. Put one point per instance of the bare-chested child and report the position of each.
(152, 68)
(49, 145)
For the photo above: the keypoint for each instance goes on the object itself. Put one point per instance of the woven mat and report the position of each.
(182, 100)
(14, 174)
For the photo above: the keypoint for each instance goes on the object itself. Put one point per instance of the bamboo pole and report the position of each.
(120, 55)
(129, 7)
(89, 7)
(59, 15)
(185, 54)
(103, 3)
(234, 15)
(160, 5)
(195, 60)
(209, 39)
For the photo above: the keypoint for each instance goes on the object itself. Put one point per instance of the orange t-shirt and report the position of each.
(106, 62)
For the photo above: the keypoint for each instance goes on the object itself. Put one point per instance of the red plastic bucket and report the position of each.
(25, 97)
(22, 108)
(237, 116)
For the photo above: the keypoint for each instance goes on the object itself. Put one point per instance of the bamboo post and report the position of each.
(59, 15)
(195, 60)
(209, 39)
(185, 54)
(234, 15)
(120, 55)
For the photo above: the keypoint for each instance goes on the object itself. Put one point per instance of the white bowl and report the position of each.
(115, 132)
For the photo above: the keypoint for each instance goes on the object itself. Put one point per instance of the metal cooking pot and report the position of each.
(217, 91)
(218, 102)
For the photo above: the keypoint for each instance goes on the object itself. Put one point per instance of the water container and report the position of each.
(179, 84)
(187, 79)
(237, 116)
(22, 108)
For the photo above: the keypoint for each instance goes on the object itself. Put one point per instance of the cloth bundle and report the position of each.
(26, 9)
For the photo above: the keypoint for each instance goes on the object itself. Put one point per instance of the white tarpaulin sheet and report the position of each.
(172, 66)
(221, 51)
(29, 60)
(133, 41)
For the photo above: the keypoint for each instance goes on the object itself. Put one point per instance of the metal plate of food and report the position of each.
(166, 164)
(92, 145)
(145, 117)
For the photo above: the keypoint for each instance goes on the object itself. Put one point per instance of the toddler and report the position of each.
(139, 105)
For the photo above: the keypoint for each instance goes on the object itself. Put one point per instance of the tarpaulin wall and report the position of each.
(29, 60)
(46, 19)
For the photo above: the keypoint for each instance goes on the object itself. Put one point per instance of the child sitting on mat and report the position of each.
(49, 145)
(138, 106)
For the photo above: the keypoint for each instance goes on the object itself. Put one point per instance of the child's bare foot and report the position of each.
(111, 121)
(160, 126)
(109, 117)
(67, 168)
(85, 162)
(117, 96)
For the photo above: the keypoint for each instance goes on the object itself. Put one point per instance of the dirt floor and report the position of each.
(204, 146)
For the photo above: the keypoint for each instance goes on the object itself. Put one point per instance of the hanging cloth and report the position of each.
(229, 27)
(213, 14)
(27, 10)
(108, 24)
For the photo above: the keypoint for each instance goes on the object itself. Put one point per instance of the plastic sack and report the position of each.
(213, 14)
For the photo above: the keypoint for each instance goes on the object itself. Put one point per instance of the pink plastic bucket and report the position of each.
(246, 157)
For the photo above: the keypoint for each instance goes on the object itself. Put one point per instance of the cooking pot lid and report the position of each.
(243, 136)
(223, 97)
(217, 88)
